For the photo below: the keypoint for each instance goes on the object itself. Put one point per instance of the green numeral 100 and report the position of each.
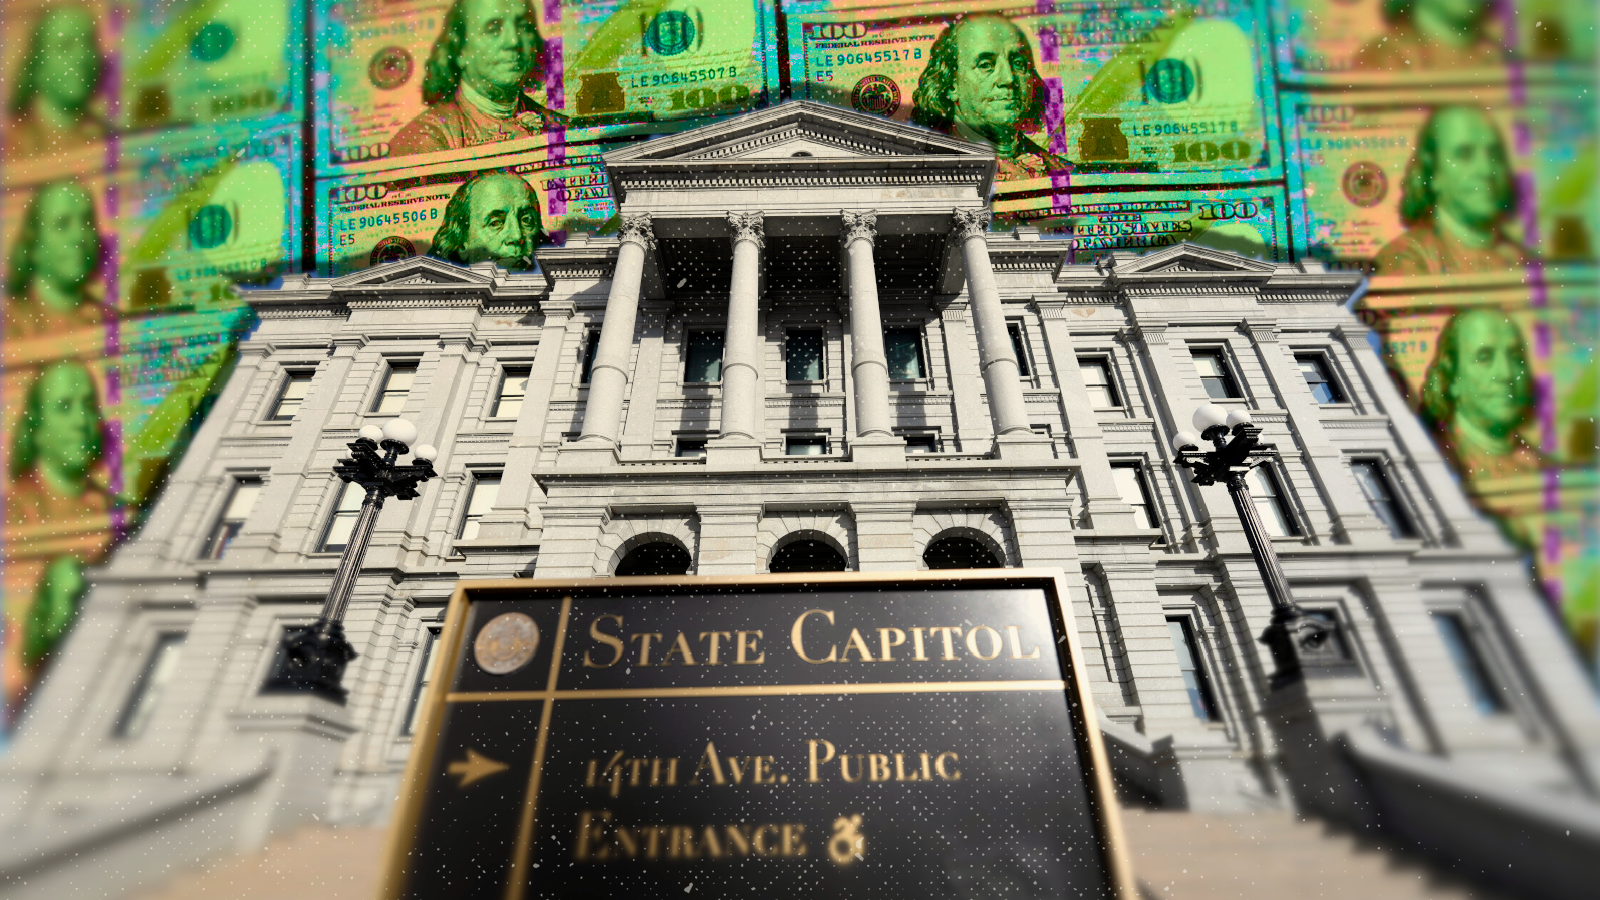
(1205, 151)
(698, 98)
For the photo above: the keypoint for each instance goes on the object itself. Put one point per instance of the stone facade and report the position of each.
(969, 383)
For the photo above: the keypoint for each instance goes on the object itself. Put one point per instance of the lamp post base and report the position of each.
(314, 658)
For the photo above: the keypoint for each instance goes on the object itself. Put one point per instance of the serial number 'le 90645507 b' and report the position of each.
(916, 735)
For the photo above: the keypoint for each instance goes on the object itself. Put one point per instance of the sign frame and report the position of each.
(405, 824)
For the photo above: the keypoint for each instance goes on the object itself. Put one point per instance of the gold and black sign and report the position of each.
(926, 735)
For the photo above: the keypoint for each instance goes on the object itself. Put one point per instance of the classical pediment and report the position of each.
(417, 271)
(1192, 258)
(795, 131)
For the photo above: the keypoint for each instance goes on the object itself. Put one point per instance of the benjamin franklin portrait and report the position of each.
(53, 103)
(50, 273)
(981, 84)
(1430, 35)
(1478, 394)
(1455, 199)
(494, 217)
(487, 57)
(56, 449)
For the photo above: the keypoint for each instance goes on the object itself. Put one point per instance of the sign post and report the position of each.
(839, 735)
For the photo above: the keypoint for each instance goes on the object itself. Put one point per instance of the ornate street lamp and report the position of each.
(1291, 628)
(314, 657)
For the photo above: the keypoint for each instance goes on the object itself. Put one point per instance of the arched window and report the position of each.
(958, 553)
(806, 556)
(656, 558)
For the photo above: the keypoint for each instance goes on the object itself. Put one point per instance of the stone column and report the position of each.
(869, 367)
(741, 344)
(995, 356)
(608, 379)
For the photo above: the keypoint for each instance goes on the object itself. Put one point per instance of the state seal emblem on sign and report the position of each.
(876, 94)
(506, 643)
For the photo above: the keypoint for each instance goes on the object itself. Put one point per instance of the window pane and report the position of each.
(1019, 346)
(513, 387)
(1131, 487)
(691, 449)
(1195, 681)
(591, 346)
(295, 388)
(424, 678)
(922, 443)
(243, 500)
(152, 683)
(1269, 503)
(1097, 378)
(344, 518)
(1214, 375)
(1315, 370)
(392, 399)
(485, 490)
(231, 522)
(1375, 485)
(903, 348)
(1458, 642)
(704, 359)
(804, 351)
(806, 447)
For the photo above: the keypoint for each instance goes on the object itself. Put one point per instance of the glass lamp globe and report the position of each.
(400, 431)
(1237, 417)
(371, 432)
(1185, 439)
(1209, 416)
(425, 453)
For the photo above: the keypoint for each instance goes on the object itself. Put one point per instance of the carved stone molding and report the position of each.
(1148, 334)
(639, 229)
(748, 227)
(1262, 332)
(859, 226)
(971, 222)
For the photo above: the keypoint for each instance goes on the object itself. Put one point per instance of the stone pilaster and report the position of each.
(996, 359)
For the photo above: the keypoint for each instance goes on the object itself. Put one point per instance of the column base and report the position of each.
(879, 450)
(726, 453)
(587, 453)
(1023, 446)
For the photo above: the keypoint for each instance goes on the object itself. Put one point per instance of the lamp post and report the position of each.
(1238, 450)
(314, 657)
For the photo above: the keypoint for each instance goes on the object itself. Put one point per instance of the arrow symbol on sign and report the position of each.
(475, 767)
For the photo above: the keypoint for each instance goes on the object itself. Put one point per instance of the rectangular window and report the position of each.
(147, 691)
(1462, 645)
(513, 388)
(1215, 375)
(1333, 649)
(806, 446)
(591, 346)
(292, 397)
(903, 349)
(1097, 378)
(922, 443)
(1131, 485)
(691, 448)
(343, 522)
(1201, 700)
(1019, 346)
(702, 358)
(241, 500)
(1271, 506)
(424, 677)
(1319, 377)
(485, 490)
(1381, 497)
(802, 351)
(396, 387)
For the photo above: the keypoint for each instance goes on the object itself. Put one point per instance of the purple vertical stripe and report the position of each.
(1050, 48)
(554, 69)
(1055, 115)
(552, 11)
(114, 450)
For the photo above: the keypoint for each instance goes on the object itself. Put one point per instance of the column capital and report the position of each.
(971, 222)
(557, 310)
(638, 228)
(748, 227)
(859, 226)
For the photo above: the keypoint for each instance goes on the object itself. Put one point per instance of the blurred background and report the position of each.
(160, 154)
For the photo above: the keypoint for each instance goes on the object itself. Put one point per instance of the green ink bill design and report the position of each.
(1444, 182)
(196, 62)
(1503, 372)
(400, 82)
(1247, 220)
(58, 77)
(371, 219)
(1384, 44)
(1068, 94)
(205, 209)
